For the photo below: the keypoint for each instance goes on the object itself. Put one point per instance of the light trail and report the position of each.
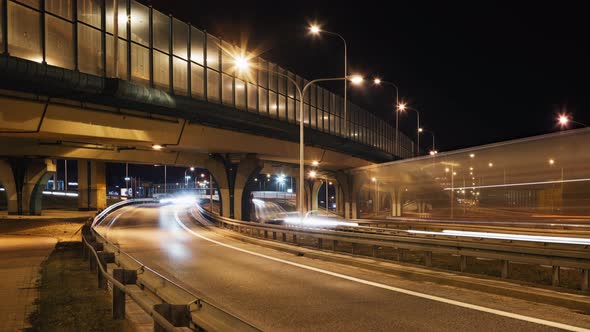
(518, 184)
(504, 236)
(388, 287)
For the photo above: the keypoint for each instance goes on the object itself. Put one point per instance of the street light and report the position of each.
(316, 30)
(433, 151)
(355, 79)
(564, 119)
(186, 177)
(398, 107)
(418, 131)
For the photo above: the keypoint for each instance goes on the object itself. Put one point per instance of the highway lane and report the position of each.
(278, 291)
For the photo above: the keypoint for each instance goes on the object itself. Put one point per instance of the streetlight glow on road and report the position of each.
(157, 147)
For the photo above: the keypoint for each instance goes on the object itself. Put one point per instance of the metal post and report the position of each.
(42, 37)
(127, 177)
(327, 195)
(128, 19)
(151, 43)
(418, 135)
(115, 38)
(5, 27)
(170, 56)
(189, 82)
(75, 34)
(66, 176)
(126, 277)
(165, 179)
(210, 193)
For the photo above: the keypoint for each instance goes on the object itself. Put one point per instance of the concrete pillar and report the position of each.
(248, 167)
(396, 202)
(217, 168)
(338, 199)
(24, 180)
(344, 182)
(92, 187)
(7, 181)
(315, 189)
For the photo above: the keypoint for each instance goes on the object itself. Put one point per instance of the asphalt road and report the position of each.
(277, 291)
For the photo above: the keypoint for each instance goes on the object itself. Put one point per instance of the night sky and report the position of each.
(479, 72)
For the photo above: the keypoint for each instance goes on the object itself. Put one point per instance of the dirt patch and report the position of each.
(69, 297)
(61, 230)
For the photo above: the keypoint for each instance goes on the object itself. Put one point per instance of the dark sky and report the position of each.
(479, 71)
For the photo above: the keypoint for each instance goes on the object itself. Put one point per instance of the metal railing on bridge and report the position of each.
(159, 51)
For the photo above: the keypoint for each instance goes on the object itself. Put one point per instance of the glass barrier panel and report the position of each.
(61, 8)
(123, 18)
(161, 31)
(59, 42)
(197, 81)
(227, 92)
(272, 77)
(89, 50)
(161, 70)
(139, 20)
(89, 12)
(180, 75)
(213, 83)
(262, 101)
(140, 65)
(282, 108)
(197, 46)
(122, 58)
(212, 52)
(240, 94)
(291, 110)
(263, 73)
(31, 3)
(252, 97)
(24, 33)
(180, 30)
(272, 104)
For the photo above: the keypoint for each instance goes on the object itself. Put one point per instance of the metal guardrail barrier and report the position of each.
(576, 256)
(173, 307)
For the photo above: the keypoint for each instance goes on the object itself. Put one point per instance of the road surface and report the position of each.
(277, 291)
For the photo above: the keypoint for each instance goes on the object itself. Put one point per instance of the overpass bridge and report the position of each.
(68, 92)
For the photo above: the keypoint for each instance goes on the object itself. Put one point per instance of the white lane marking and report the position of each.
(391, 288)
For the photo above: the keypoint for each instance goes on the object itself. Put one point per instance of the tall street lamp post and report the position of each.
(186, 177)
(316, 30)
(398, 107)
(417, 126)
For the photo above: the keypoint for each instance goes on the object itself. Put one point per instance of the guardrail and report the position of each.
(172, 307)
(576, 256)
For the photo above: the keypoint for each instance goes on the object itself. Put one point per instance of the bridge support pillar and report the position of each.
(396, 203)
(233, 181)
(92, 188)
(344, 197)
(8, 182)
(315, 186)
(243, 185)
(23, 181)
